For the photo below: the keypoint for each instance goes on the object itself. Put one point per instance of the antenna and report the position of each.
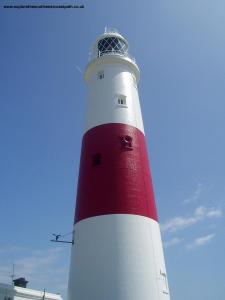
(43, 297)
(13, 274)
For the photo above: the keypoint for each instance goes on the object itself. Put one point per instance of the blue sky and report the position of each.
(180, 49)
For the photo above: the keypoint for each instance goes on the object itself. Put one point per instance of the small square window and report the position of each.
(121, 100)
(96, 159)
(100, 74)
(126, 142)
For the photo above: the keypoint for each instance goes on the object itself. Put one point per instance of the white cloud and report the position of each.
(37, 260)
(173, 242)
(201, 241)
(201, 213)
(12, 249)
(195, 196)
(215, 213)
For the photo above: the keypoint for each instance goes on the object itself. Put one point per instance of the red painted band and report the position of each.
(114, 173)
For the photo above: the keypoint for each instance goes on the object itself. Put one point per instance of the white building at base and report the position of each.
(13, 292)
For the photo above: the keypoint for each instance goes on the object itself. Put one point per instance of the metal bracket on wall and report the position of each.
(56, 240)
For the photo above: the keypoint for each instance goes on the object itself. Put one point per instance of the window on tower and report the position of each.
(100, 74)
(126, 142)
(96, 159)
(122, 101)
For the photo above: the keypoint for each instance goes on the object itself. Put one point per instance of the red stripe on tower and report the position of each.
(114, 173)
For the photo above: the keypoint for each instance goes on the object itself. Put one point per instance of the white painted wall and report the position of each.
(102, 105)
(117, 257)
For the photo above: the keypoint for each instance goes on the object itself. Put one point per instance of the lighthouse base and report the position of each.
(117, 257)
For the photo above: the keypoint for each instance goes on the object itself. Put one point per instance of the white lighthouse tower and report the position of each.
(117, 252)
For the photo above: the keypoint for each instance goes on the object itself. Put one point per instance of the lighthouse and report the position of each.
(117, 252)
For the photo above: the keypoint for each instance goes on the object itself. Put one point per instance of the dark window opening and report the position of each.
(126, 142)
(96, 159)
(101, 75)
(121, 101)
